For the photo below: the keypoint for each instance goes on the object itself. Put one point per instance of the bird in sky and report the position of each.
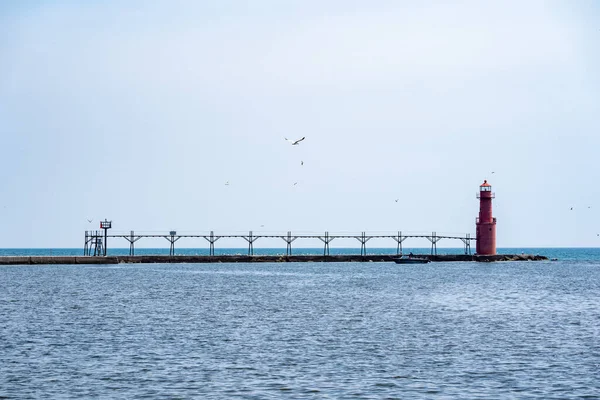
(396, 200)
(295, 183)
(90, 220)
(227, 183)
(493, 172)
(301, 162)
(571, 208)
(295, 142)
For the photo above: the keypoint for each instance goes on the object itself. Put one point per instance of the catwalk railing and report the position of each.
(95, 241)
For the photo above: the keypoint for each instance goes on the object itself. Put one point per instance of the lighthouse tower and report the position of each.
(486, 224)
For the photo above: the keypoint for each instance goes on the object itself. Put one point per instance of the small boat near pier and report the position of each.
(411, 260)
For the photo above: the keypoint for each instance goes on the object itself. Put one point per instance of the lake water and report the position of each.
(303, 330)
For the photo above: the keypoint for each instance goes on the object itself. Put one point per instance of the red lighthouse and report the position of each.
(486, 224)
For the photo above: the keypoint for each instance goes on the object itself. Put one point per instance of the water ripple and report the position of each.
(271, 331)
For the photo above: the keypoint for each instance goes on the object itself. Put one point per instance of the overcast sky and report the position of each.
(141, 112)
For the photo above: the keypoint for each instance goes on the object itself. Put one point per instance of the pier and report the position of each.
(95, 243)
(165, 259)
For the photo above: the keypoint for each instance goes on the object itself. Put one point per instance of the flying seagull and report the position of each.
(396, 200)
(295, 142)
(90, 220)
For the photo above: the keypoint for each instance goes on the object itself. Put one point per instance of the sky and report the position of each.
(141, 112)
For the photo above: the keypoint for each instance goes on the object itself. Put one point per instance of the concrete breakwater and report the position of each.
(166, 259)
